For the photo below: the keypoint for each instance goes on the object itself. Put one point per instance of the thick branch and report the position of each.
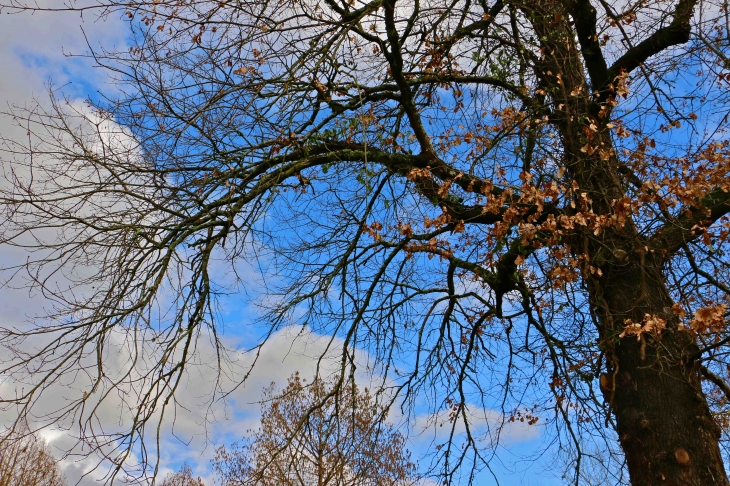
(677, 32)
(395, 60)
(403, 164)
(584, 16)
(716, 380)
(675, 234)
(354, 15)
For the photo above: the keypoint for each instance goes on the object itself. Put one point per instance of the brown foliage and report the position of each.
(182, 477)
(26, 460)
(318, 434)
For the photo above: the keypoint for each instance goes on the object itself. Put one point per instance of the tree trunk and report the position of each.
(653, 385)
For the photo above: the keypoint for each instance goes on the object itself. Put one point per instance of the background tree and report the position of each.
(183, 477)
(26, 460)
(518, 206)
(309, 437)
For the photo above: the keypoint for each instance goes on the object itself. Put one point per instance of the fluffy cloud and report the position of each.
(197, 422)
(34, 54)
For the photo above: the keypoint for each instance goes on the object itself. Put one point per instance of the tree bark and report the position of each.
(652, 384)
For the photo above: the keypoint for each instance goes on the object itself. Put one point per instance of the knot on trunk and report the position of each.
(682, 457)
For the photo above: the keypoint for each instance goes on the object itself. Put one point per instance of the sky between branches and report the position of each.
(34, 55)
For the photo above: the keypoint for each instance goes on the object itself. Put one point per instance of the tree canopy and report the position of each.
(510, 206)
(182, 477)
(26, 460)
(311, 434)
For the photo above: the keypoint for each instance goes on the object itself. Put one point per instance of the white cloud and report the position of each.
(34, 49)
(287, 351)
(34, 53)
(188, 434)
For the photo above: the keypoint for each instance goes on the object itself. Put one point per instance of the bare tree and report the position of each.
(518, 206)
(310, 435)
(183, 477)
(26, 460)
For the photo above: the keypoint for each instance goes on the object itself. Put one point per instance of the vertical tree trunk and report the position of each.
(654, 390)
(653, 386)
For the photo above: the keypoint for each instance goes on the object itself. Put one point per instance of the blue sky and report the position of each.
(33, 55)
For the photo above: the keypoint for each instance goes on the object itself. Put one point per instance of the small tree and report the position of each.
(26, 460)
(318, 434)
(183, 477)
